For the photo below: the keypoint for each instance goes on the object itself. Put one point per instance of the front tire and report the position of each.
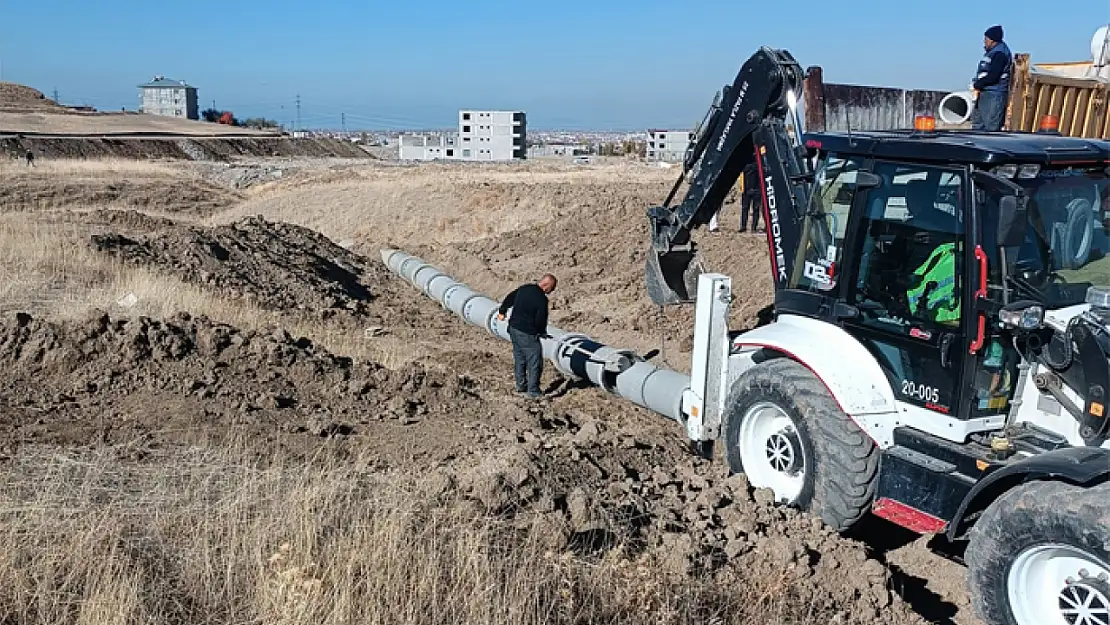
(1040, 555)
(786, 432)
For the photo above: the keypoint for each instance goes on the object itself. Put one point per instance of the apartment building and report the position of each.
(668, 145)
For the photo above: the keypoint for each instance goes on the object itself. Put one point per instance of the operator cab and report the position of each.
(914, 240)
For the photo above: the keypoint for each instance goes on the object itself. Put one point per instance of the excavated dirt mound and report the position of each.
(276, 265)
(114, 221)
(188, 379)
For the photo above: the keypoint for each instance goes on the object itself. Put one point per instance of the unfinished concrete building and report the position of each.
(426, 147)
(668, 145)
(493, 135)
(481, 136)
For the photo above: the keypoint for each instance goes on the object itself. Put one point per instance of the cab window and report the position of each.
(826, 224)
(911, 249)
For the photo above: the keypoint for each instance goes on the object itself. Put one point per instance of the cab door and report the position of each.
(909, 250)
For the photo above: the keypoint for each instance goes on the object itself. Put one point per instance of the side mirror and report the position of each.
(867, 180)
(1012, 220)
(1012, 214)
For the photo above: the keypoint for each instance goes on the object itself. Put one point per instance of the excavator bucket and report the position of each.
(672, 278)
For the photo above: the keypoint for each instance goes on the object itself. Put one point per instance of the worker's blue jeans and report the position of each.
(990, 111)
(527, 361)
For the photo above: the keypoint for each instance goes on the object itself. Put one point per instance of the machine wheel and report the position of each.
(785, 432)
(1039, 556)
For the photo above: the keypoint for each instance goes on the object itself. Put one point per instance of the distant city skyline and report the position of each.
(617, 65)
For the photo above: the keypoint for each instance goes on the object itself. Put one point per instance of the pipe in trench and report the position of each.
(620, 372)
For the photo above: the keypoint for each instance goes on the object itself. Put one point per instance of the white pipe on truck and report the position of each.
(955, 108)
(577, 356)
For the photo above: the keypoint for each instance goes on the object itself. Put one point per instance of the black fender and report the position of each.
(1080, 466)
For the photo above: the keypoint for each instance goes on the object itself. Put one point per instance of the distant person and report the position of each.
(527, 324)
(992, 82)
(750, 199)
(30, 158)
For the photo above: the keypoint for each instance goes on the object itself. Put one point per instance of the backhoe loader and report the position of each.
(938, 350)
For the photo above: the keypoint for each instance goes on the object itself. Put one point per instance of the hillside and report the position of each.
(26, 110)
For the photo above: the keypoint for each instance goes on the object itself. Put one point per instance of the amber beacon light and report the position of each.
(1050, 123)
(925, 123)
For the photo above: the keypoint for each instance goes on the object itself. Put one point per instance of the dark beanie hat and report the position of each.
(994, 33)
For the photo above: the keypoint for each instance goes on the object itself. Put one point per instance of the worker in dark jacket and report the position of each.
(992, 82)
(750, 199)
(527, 324)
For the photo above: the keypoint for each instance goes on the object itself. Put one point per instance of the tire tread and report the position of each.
(848, 461)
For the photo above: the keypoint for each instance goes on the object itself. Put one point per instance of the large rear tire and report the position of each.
(1040, 555)
(786, 432)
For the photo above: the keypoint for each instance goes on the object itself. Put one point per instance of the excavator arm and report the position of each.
(746, 124)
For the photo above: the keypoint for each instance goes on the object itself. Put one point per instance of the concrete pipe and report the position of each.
(620, 372)
(955, 108)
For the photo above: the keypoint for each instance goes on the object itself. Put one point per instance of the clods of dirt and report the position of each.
(183, 377)
(596, 489)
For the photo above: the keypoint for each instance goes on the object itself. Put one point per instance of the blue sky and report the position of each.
(600, 64)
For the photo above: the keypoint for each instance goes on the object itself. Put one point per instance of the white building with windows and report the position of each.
(426, 147)
(169, 98)
(668, 145)
(493, 135)
(481, 136)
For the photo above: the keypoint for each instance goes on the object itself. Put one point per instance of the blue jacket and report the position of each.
(994, 70)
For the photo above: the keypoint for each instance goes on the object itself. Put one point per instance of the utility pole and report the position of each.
(55, 95)
(343, 118)
(298, 124)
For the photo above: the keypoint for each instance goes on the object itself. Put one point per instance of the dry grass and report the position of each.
(214, 537)
(100, 168)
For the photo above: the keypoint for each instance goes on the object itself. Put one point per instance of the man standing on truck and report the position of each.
(527, 324)
(992, 82)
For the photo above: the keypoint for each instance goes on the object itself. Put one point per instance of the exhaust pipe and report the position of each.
(955, 108)
(620, 372)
